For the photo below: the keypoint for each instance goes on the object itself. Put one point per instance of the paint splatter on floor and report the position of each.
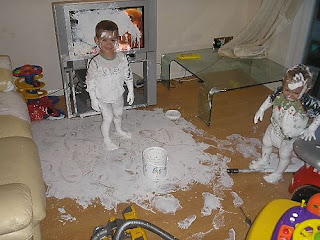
(76, 165)
(186, 223)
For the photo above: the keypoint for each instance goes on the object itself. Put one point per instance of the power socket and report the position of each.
(220, 41)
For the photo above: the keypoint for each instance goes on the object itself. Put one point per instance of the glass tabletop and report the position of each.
(218, 73)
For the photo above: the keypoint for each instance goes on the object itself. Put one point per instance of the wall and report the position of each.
(189, 24)
(27, 29)
(27, 35)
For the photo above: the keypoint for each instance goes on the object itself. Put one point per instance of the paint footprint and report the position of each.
(186, 223)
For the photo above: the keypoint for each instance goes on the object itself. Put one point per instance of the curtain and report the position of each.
(252, 42)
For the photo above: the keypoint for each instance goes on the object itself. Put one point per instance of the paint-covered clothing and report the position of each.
(290, 118)
(106, 77)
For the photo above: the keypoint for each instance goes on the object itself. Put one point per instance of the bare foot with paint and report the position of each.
(123, 134)
(258, 164)
(110, 146)
(273, 178)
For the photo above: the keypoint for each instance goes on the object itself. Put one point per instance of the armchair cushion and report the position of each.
(13, 103)
(20, 163)
(15, 208)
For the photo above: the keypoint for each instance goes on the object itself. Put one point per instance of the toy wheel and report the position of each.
(307, 230)
(305, 193)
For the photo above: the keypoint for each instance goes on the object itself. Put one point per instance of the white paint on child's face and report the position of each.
(293, 91)
(108, 41)
(109, 35)
(297, 81)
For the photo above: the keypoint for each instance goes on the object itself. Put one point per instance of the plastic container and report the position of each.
(155, 160)
(173, 115)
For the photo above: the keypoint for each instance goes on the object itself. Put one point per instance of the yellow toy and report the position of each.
(130, 228)
(288, 220)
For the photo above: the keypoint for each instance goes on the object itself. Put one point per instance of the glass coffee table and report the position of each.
(218, 74)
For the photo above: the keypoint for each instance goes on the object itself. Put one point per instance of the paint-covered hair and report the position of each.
(299, 73)
(106, 25)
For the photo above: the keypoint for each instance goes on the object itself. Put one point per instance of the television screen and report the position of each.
(130, 21)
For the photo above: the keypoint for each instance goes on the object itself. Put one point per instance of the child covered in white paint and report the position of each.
(293, 110)
(106, 75)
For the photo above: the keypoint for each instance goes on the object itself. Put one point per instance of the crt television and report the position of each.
(75, 23)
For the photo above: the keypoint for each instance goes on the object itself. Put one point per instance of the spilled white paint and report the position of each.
(199, 235)
(237, 200)
(232, 235)
(166, 204)
(76, 165)
(64, 218)
(186, 223)
(211, 203)
(218, 220)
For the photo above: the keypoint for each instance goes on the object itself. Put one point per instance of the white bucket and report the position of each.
(155, 161)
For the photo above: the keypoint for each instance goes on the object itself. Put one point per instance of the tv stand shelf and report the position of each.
(81, 104)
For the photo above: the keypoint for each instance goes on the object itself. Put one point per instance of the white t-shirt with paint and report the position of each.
(106, 77)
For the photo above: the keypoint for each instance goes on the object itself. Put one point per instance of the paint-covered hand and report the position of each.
(265, 105)
(130, 97)
(95, 105)
(258, 116)
(308, 134)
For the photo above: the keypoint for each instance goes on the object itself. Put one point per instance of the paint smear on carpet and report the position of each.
(76, 165)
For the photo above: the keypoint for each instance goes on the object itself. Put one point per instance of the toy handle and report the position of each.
(307, 230)
(233, 170)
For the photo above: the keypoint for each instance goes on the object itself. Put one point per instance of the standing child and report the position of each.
(292, 111)
(106, 75)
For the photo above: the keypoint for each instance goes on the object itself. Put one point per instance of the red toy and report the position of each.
(306, 181)
(43, 108)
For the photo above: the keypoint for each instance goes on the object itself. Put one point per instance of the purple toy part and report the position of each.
(293, 216)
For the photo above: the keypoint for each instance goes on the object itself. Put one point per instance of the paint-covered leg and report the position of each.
(118, 129)
(284, 161)
(106, 111)
(263, 162)
(117, 119)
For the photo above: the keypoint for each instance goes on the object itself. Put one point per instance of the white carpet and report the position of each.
(76, 165)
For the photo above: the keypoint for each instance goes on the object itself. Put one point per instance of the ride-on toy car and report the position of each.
(306, 181)
(284, 219)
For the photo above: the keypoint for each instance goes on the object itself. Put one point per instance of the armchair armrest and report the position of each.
(15, 208)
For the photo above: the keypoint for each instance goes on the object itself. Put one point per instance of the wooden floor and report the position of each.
(233, 113)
